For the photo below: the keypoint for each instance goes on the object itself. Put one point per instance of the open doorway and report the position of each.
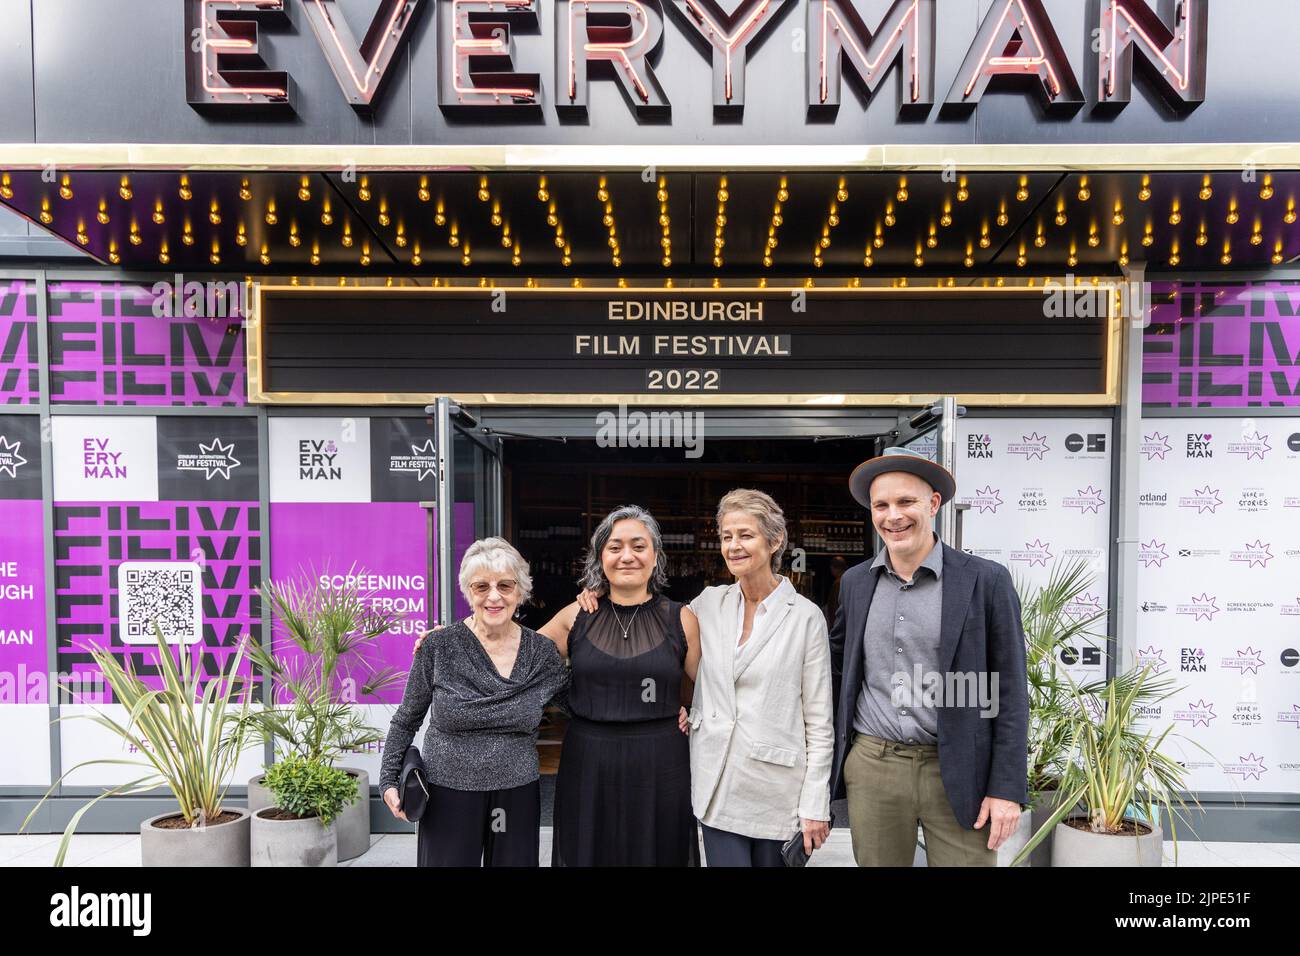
(555, 493)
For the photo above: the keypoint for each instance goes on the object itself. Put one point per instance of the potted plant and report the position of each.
(1117, 774)
(319, 664)
(189, 739)
(301, 828)
(1052, 621)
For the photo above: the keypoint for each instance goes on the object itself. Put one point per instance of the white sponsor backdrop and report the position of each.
(25, 754)
(105, 458)
(320, 459)
(81, 739)
(1219, 593)
(1039, 491)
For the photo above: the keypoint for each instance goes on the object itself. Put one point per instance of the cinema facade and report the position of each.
(248, 246)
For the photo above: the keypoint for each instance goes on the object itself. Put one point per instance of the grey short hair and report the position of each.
(593, 573)
(499, 555)
(771, 519)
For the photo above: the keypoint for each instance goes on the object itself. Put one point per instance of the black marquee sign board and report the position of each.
(705, 345)
(481, 75)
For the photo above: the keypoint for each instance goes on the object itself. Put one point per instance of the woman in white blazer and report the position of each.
(761, 720)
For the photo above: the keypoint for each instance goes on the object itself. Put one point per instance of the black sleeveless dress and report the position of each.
(623, 790)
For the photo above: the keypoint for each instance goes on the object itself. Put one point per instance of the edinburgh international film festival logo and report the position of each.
(1204, 500)
(1249, 767)
(1035, 552)
(422, 462)
(1087, 501)
(1253, 555)
(1198, 714)
(1248, 661)
(1032, 446)
(1153, 553)
(1152, 657)
(1155, 446)
(1201, 608)
(986, 500)
(215, 459)
(1252, 445)
(10, 458)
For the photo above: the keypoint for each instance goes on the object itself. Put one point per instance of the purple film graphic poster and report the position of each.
(388, 540)
(19, 359)
(109, 344)
(23, 663)
(1226, 345)
(92, 538)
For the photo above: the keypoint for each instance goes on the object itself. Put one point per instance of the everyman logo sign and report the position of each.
(481, 72)
(76, 909)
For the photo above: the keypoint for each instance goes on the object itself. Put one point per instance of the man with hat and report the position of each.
(928, 654)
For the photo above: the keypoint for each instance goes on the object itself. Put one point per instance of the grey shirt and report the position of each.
(482, 732)
(900, 649)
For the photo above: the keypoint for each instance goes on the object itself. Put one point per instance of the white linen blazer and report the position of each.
(762, 737)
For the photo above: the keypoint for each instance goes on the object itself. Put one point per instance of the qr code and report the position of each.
(169, 592)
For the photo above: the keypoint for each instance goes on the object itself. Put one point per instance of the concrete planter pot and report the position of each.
(259, 797)
(1074, 847)
(1009, 850)
(353, 823)
(222, 844)
(302, 842)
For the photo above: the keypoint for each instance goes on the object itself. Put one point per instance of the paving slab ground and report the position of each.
(398, 849)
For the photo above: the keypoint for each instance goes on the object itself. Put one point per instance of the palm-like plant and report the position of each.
(1051, 621)
(319, 659)
(1116, 770)
(189, 737)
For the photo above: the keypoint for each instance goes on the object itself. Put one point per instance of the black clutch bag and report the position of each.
(792, 852)
(413, 784)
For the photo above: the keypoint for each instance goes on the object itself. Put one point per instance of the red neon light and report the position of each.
(1007, 63)
(465, 44)
(846, 33)
(610, 51)
(217, 46)
(372, 68)
(755, 17)
(1182, 33)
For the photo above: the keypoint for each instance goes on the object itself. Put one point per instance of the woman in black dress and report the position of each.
(623, 791)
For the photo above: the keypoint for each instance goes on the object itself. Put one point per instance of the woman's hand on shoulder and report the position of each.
(558, 627)
(588, 601)
(422, 635)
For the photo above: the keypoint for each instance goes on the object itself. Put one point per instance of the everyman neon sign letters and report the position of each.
(1015, 45)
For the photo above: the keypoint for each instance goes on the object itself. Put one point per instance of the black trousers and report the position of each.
(722, 848)
(481, 827)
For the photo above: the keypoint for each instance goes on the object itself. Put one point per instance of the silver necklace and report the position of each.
(630, 621)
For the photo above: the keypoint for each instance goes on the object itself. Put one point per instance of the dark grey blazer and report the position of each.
(980, 631)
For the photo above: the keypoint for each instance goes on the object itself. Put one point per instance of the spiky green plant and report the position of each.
(1116, 770)
(1049, 627)
(188, 736)
(332, 631)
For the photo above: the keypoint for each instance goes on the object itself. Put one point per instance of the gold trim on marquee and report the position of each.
(256, 372)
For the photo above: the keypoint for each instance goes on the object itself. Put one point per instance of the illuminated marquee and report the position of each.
(1016, 45)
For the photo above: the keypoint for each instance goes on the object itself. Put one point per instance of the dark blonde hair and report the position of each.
(771, 519)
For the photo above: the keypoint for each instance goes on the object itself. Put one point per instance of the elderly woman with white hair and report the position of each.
(488, 679)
